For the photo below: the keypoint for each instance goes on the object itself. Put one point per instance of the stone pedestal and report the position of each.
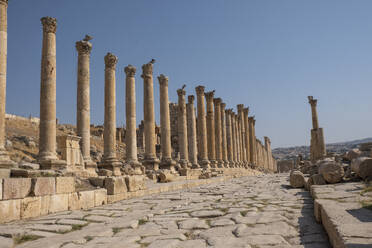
(165, 139)
(69, 147)
(150, 161)
(84, 47)
(202, 129)
(218, 131)
(110, 161)
(182, 129)
(191, 132)
(130, 113)
(47, 129)
(5, 162)
(211, 129)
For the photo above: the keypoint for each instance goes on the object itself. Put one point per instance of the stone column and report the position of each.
(246, 135)
(234, 141)
(238, 142)
(47, 129)
(317, 144)
(211, 129)
(165, 139)
(151, 161)
(130, 114)
(229, 138)
(269, 154)
(182, 129)
(191, 132)
(84, 47)
(5, 162)
(252, 140)
(242, 134)
(110, 161)
(202, 128)
(218, 131)
(224, 135)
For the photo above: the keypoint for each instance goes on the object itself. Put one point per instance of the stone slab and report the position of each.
(100, 197)
(15, 188)
(10, 210)
(65, 185)
(43, 186)
(30, 207)
(58, 203)
(115, 185)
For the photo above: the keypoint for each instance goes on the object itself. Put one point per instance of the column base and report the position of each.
(90, 167)
(111, 164)
(185, 164)
(213, 163)
(205, 164)
(226, 164)
(52, 164)
(195, 166)
(220, 164)
(151, 163)
(168, 164)
(136, 166)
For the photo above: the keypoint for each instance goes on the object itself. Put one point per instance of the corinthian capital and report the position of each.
(312, 101)
(181, 92)
(223, 105)
(209, 95)
(5, 2)
(111, 61)
(191, 99)
(217, 101)
(84, 47)
(147, 69)
(130, 70)
(240, 107)
(246, 111)
(49, 24)
(163, 80)
(199, 90)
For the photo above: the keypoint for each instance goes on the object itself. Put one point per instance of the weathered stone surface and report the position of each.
(355, 163)
(14, 188)
(43, 186)
(1, 189)
(58, 203)
(87, 199)
(135, 183)
(207, 213)
(30, 207)
(165, 176)
(297, 179)
(365, 169)
(115, 185)
(65, 185)
(316, 179)
(100, 197)
(353, 154)
(331, 172)
(193, 224)
(10, 210)
(97, 181)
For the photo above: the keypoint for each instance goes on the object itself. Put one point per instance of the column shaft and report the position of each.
(211, 129)
(218, 131)
(202, 128)
(234, 141)
(224, 135)
(246, 135)
(182, 129)
(229, 138)
(191, 132)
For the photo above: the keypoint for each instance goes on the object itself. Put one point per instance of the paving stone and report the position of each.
(51, 228)
(169, 243)
(193, 223)
(71, 222)
(207, 213)
(221, 222)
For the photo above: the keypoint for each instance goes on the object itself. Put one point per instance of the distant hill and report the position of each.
(340, 147)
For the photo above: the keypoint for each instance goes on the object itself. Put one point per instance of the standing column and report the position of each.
(182, 129)
(224, 135)
(165, 139)
(151, 161)
(246, 135)
(237, 135)
(47, 129)
(84, 47)
(242, 134)
(317, 144)
(5, 162)
(234, 141)
(202, 129)
(210, 129)
(218, 131)
(110, 161)
(191, 132)
(130, 114)
(229, 139)
(252, 140)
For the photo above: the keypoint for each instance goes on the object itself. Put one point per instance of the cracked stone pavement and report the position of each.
(257, 211)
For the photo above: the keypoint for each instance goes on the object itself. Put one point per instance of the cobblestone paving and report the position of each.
(260, 211)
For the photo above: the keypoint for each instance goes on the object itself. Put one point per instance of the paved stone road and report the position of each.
(255, 212)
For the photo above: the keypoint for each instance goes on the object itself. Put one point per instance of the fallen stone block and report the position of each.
(316, 179)
(97, 181)
(355, 164)
(297, 179)
(331, 171)
(58, 203)
(10, 210)
(365, 169)
(14, 188)
(30, 207)
(43, 186)
(115, 185)
(100, 197)
(165, 176)
(65, 185)
(135, 183)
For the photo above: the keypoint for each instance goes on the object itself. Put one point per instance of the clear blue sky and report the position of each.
(268, 54)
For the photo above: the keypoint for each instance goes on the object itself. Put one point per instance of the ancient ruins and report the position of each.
(199, 178)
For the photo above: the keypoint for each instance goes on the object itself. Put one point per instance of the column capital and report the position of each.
(130, 70)
(223, 105)
(191, 99)
(312, 101)
(5, 2)
(163, 80)
(147, 69)
(181, 92)
(217, 100)
(240, 107)
(209, 95)
(111, 61)
(83, 47)
(200, 90)
(251, 119)
(228, 111)
(49, 24)
(246, 111)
